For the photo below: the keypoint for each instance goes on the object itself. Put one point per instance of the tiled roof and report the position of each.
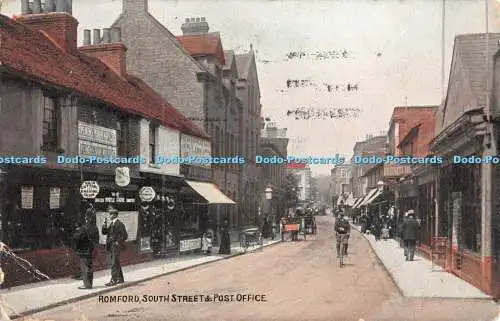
(31, 53)
(204, 44)
(408, 117)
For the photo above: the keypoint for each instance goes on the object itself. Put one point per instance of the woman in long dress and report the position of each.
(225, 242)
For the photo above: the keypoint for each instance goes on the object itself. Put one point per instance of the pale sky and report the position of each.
(394, 46)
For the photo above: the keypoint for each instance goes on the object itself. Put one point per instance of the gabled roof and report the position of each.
(470, 50)
(31, 53)
(243, 64)
(205, 44)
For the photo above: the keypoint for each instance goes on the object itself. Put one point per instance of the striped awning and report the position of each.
(358, 201)
(372, 192)
(377, 193)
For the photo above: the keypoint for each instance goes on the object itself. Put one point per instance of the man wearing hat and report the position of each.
(411, 228)
(116, 235)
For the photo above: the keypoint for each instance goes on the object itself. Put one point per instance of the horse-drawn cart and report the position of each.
(310, 227)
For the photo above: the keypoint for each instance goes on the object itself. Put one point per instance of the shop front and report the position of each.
(199, 200)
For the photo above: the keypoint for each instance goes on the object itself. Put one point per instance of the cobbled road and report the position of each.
(300, 281)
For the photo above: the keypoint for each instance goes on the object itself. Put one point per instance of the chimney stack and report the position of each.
(106, 35)
(134, 6)
(49, 6)
(97, 37)
(194, 26)
(86, 37)
(109, 49)
(37, 6)
(54, 20)
(116, 35)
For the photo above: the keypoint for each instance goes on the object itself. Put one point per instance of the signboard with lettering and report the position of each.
(190, 245)
(27, 197)
(195, 147)
(55, 197)
(96, 140)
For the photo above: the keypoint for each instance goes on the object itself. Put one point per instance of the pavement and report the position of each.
(420, 278)
(29, 299)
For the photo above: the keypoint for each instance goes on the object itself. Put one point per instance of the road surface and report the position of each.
(300, 281)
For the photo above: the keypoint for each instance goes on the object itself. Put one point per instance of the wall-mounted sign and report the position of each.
(89, 189)
(195, 147)
(55, 197)
(96, 140)
(147, 194)
(122, 176)
(145, 244)
(190, 245)
(27, 197)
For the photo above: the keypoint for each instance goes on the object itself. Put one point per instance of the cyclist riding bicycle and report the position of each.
(342, 230)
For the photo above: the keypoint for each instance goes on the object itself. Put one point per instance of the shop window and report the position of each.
(152, 143)
(51, 110)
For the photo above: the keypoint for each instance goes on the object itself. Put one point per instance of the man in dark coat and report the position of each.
(86, 238)
(411, 228)
(116, 235)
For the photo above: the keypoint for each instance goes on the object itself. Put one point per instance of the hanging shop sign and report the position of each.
(147, 194)
(122, 176)
(89, 189)
(96, 140)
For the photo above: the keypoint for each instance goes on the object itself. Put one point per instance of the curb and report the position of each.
(401, 292)
(379, 260)
(125, 285)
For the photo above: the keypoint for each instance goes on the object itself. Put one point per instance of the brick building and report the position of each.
(58, 99)
(273, 143)
(340, 183)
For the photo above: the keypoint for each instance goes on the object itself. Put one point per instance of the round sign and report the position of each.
(147, 194)
(89, 189)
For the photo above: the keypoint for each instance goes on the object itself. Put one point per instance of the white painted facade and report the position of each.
(167, 145)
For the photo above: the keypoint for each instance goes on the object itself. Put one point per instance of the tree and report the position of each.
(291, 186)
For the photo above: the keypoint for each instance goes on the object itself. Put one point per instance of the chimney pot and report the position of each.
(60, 5)
(49, 6)
(198, 19)
(106, 35)
(37, 6)
(185, 20)
(25, 7)
(97, 36)
(203, 19)
(86, 37)
(193, 19)
(116, 35)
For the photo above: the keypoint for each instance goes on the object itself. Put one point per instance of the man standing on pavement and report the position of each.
(411, 229)
(86, 238)
(116, 235)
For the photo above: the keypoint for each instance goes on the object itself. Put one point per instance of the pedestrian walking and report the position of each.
(411, 229)
(225, 241)
(116, 235)
(377, 228)
(86, 239)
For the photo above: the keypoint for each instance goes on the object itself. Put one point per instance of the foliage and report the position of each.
(291, 186)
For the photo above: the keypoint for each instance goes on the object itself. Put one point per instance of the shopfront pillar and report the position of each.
(487, 172)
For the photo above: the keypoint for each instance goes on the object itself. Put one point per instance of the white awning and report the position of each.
(210, 192)
(368, 197)
(374, 196)
(358, 201)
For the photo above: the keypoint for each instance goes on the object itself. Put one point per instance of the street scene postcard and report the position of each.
(250, 160)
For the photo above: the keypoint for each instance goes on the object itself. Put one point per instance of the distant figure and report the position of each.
(116, 235)
(225, 242)
(411, 229)
(86, 239)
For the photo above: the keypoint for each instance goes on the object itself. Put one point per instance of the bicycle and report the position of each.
(344, 238)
